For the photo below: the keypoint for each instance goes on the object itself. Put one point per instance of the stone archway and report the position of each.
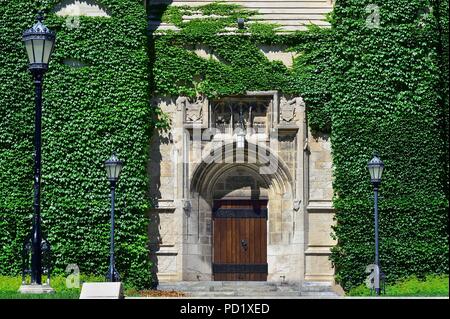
(214, 179)
(299, 185)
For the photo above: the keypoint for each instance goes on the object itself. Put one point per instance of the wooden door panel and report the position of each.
(239, 240)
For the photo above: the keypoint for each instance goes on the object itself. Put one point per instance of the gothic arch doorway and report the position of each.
(220, 185)
(239, 220)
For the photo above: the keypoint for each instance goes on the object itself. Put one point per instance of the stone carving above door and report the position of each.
(229, 114)
(289, 109)
(193, 110)
(226, 114)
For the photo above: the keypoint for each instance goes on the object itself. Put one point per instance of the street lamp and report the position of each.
(39, 43)
(376, 167)
(113, 168)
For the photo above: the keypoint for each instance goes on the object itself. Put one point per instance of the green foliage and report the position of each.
(56, 295)
(9, 287)
(431, 286)
(239, 63)
(208, 19)
(374, 88)
(385, 90)
(88, 112)
(378, 89)
(8, 283)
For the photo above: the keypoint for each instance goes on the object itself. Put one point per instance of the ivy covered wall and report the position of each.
(374, 88)
(88, 112)
(378, 89)
(387, 94)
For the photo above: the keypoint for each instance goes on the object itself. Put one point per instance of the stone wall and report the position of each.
(290, 15)
(319, 216)
(299, 191)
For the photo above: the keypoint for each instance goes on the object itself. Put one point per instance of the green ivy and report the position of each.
(385, 91)
(381, 89)
(88, 112)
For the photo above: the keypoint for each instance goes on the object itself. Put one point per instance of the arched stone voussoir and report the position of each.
(276, 175)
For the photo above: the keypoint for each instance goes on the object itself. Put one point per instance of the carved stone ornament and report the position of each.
(182, 103)
(289, 108)
(194, 111)
(297, 204)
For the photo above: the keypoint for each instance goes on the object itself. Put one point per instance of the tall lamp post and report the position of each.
(113, 168)
(39, 43)
(376, 167)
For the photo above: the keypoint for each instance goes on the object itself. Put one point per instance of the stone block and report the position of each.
(166, 169)
(102, 290)
(286, 227)
(275, 238)
(320, 229)
(316, 194)
(167, 262)
(318, 266)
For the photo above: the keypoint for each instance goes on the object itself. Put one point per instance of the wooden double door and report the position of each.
(240, 240)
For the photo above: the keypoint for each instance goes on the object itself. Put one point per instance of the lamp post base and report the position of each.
(36, 289)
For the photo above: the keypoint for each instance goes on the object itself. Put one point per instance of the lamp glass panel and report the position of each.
(38, 47)
(376, 171)
(371, 171)
(109, 172)
(380, 171)
(29, 47)
(47, 51)
(118, 169)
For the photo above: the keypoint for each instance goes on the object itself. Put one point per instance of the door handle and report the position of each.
(244, 244)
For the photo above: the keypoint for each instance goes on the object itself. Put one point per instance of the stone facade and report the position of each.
(199, 161)
(289, 15)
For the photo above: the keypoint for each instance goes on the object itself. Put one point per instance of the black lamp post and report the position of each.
(39, 43)
(376, 167)
(113, 168)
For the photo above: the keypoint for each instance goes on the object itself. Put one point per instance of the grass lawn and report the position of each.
(431, 286)
(9, 287)
(57, 295)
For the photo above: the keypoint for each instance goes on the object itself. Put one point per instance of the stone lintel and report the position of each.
(318, 250)
(287, 128)
(261, 93)
(320, 207)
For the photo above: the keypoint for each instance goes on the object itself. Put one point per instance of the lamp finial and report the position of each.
(40, 16)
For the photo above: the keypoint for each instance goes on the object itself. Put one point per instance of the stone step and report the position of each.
(217, 285)
(249, 289)
(212, 294)
(244, 294)
(316, 287)
(319, 294)
(227, 289)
